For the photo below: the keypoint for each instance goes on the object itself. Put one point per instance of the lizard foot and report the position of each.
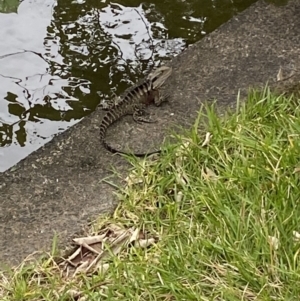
(140, 115)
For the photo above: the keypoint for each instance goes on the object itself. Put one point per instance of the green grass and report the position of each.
(224, 217)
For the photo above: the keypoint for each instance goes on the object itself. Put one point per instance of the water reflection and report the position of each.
(59, 60)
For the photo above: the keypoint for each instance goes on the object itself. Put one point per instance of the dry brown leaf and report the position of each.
(296, 170)
(73, 293)
(207, 139)
(114, 246)
(82, 268)
(279, 75)
(211, 173)
(102, 267)
(115, 228)
(135, 235)
(133, 180)
(144, 243)
(274, 242)
(96, 261)
(122, 236)
(93, 251)
(182, 149)
(208, 174)
(74, 255)
(89, 240)
(180, 179)
(119, 245)
(296, 236)
(178, 196)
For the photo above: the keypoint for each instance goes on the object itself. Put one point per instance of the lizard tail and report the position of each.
(115, 151)
(102, 135)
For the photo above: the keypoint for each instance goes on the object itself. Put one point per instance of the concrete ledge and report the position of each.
(57, 188)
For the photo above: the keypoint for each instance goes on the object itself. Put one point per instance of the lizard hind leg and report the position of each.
(141, 115)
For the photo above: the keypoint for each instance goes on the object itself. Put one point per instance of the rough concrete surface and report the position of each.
(58, 188)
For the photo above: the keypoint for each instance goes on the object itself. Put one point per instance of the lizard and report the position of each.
(134, 102)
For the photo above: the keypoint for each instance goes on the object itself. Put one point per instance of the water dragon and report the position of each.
(134, 102)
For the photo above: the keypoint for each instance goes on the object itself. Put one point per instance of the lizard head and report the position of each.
(159, 76)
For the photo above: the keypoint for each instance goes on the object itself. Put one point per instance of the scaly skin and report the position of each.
(134, 102)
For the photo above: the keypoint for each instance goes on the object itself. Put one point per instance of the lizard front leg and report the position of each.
(141, 115)
(159, 97)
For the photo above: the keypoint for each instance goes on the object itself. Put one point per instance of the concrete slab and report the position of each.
(58, 188)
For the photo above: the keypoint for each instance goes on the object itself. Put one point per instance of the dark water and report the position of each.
(59, 60)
